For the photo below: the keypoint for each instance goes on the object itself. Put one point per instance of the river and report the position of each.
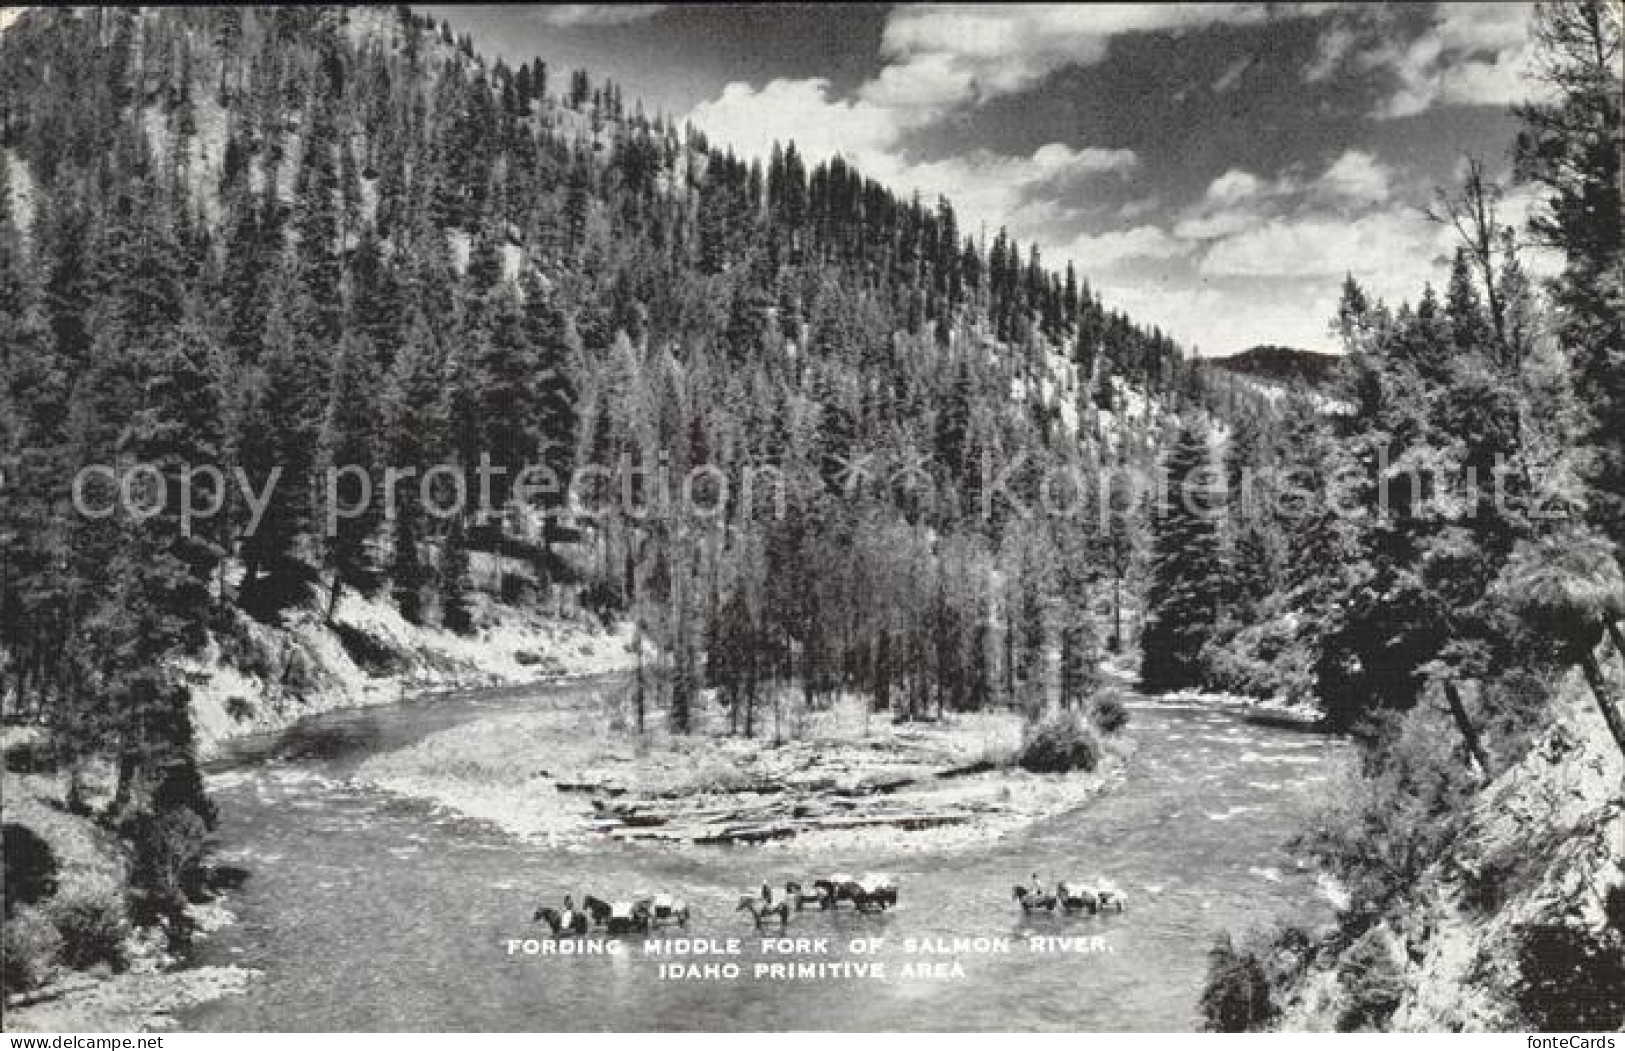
(368, 911)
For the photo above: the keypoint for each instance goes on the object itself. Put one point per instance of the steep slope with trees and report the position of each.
(336, 278)
(1463, 622)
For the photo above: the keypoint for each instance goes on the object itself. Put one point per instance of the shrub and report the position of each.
(182, 786)
(1108, 711)
(29, 949)
(1058, 744)
(30, 867)
(166, 865)
(603, 600)
(93, 927)
(1571, 979)
(1236, 997)
(35, 756)
(1372, 983)
(372, 655)
(1265, 659)
(1387, 818)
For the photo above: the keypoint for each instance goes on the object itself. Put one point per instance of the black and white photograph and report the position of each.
(808, 518)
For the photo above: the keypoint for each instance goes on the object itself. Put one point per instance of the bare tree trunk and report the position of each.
(1465, 725)
(1117, 614)
(637, 690)
(1604, 698)
(333, 597)
(128, 767)
(1618, 638)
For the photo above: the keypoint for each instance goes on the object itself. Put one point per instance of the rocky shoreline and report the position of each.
(510, 648)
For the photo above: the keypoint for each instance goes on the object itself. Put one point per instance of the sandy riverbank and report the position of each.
(371, 655)
(831, 780)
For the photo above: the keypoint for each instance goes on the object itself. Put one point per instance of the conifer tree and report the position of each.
(1186, 587)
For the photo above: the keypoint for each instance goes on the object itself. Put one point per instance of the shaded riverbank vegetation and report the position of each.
(1468, 635)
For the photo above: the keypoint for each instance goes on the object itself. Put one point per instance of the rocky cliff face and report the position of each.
(1519, 899)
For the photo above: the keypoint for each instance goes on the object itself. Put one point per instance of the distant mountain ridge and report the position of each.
(1288, 365)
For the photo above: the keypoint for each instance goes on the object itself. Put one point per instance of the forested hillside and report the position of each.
(328, 280)
(1452, 596)
(301, 307)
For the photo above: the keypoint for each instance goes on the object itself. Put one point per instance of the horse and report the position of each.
(620, 917)
(835, 889)
(1033, 899)
(828, 893)
(1109, 895)
(876, 888)
(572, 924)
(752, 904)
(598, 908)
(627, 917)
(663, 908)
(1076, 897)
(819, 895)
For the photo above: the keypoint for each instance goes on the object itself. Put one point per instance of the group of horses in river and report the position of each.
(1070, 896)
(871, 892)
(636, 915)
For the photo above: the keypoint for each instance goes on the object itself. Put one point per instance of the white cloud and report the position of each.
(751, 119)
(1235, 201)
(1096, 252)
(1208, 225)
(1232, 75)
(1473, 54)
(597, 14)
(1332, 48)
(1357, 177)
(1020, 193)
(1004, 49)
(1233, 187)
(1223, 317)
(1323, 245)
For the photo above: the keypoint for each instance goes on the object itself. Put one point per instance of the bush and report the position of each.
(1108, 711)
(1571, 979)
(1236, 997)
(1372, 983)
(166, 866)
(30, 867)
(1265, 659)
(1387, 818)
(182, 786)
(93, 927)
(372, 655)
(37, 756)
(29, 949)
(1058, 744)
(603, 600)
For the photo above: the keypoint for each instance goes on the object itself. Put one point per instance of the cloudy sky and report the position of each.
(1213, 168)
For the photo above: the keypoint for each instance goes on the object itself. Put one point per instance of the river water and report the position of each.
(368, 911)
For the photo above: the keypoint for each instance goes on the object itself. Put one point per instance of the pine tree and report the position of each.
(347, 471)
(1187, 574)
(413, 426)
(1571, 146)
(277, 442)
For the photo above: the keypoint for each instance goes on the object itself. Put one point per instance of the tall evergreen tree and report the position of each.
(1186, 590)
